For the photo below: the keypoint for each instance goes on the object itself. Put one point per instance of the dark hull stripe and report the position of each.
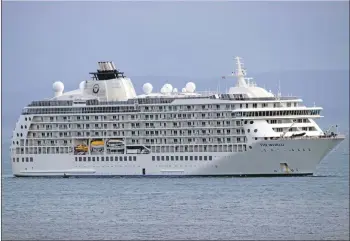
(170, 176)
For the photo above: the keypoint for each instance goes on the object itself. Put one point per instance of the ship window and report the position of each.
(256, 130)
(177, 158)
(80, 159)
(89, 159)
(22, 159)
(191, 158)
(107, 158)
(251, 122)
(181, 158)
(17, 159)
(93, 158)
(21, 127)
(97, 159)
(200, 158)
(167, 158)
(134, 158)
(250, 147)
(172, 158)
(245, 122)
(162, 158)
(125, 158)
(115, 158)
(130, 158)
(205, 158)
(120, 158)
(84, 159)
(102, 159)
(248, 130)
(14, 159)
(153, 158)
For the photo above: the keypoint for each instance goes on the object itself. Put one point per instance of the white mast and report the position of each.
(279, 94)
(240, 73)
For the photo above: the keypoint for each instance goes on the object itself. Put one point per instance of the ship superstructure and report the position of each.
(105, 128)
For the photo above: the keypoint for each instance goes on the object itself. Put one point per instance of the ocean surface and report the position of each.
(277, 208)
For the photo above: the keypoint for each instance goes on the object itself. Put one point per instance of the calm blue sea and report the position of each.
(314, 207)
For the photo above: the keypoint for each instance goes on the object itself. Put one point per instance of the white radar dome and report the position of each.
(183, 90)
(82, 85)
(190, 87)
(162, 90)
(147, 88)
(168, 88)
(58, 86)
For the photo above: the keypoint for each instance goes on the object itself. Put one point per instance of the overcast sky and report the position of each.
(43, 42)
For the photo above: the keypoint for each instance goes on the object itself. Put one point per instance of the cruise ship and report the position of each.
(103, 128)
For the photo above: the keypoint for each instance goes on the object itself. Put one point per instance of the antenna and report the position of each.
(279, 90)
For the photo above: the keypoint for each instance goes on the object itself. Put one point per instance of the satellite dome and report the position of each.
(190, 87)
(58, 86)
(147, 88)
(163, 90)
(82, 85)
(168, 88)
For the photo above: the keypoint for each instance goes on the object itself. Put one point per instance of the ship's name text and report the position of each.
(277, 144)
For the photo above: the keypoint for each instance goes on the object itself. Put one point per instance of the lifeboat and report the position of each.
(81, 148)
(97, 143)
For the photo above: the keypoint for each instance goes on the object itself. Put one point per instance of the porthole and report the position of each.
(248, 130)
(251, 122)
(256, 130)
(250, 147)
(21, 127)
(256, 138)
(245, 122)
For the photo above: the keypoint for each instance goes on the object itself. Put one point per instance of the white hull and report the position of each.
(259, 161)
